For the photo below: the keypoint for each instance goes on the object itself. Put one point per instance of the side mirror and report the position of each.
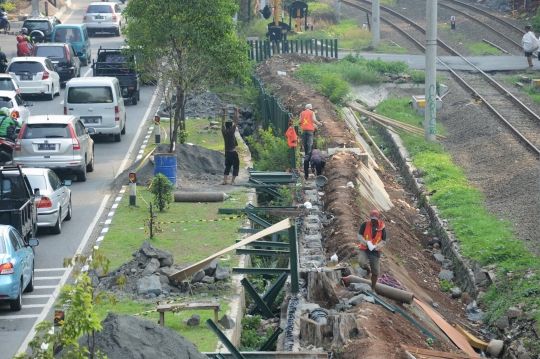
(33, 242)
(66, 183)
(36, 192)
(79, 54)
(90, 130)
(28, 104)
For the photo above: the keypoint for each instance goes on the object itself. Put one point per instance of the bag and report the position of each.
(10, 132)
(530, 42)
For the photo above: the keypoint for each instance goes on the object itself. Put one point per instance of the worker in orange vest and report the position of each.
(309, 123)
(372, 237)
(292, 138)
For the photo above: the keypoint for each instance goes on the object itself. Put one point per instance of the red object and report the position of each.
(45, 202)
(18, 141)
(346, 280)
(68, 55)
(45, 75)
(6, 268)
(306, 120)
(292, 138)
(375, 214)
(367, 234)
(84, 17)
(15, 114)
(157, 119)
(23, 48)
(74, 139)
(116, 118)
(65, 110)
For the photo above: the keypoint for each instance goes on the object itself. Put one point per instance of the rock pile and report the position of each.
(147, 274)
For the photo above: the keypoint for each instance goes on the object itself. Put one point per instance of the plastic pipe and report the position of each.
(387, 291)
(200, 196)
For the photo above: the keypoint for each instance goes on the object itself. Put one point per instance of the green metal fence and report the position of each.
(272, 110)
(263, 49)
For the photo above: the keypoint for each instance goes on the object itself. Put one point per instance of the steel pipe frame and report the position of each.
(293, 258)
(271, 340)
(261, 252)
(257, 230)
(265, 310)
(267, 244)
(272, 292)
(230, 346)
(269, 271)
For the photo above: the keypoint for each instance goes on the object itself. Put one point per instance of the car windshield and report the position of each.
(101, 94)
(37, 181)
(25, 66)
(36, 25)
(6, 102)
(69, 34)
(46, 130)
(52, 52)
(99, 8)
(6, 84)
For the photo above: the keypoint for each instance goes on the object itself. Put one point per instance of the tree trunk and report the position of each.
(178, 115)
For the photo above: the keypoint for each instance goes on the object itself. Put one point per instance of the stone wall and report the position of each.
(449, 243)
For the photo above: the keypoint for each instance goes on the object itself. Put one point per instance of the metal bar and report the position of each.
(269, 271)
(272, 292)
(266, 244)
(257, 230)
(258, 220)
(271, 340)
(293, 261)
(266, 312)
(317, 48)
(230, 346)
(410, 319)
(261, 252)
(380, 301)
(301, 46)
(335, 48)
(326, 47)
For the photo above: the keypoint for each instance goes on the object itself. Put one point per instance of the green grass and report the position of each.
(483, 49)
(482, 236)
(188, 242)
(530, 91)
(200, 335)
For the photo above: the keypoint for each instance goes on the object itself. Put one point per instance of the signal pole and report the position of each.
(430, 116)
(375, 23)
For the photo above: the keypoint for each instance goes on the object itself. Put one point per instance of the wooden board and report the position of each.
(458, 339)
(427, 353)
(473, 341)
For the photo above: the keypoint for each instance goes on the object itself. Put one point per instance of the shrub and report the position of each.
(270, 153)
(380, 66)
(333, 87)
(161, 189)
(536, 21)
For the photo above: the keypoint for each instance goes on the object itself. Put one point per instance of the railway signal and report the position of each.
(452, 22)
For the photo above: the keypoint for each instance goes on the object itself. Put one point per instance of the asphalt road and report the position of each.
(91, 200)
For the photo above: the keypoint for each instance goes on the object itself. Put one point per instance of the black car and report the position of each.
(62, 56)
(40, 28)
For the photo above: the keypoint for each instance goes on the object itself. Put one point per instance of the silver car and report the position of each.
(104, 17)
(54, 199)
(58, 142)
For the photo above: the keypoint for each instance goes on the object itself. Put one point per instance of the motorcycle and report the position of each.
(6, 150)
(4, 22)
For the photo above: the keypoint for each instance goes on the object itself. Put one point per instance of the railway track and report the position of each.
(503, 104)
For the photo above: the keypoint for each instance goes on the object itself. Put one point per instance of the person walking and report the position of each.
(228, 130)
(308, 123)
(292, 141)
(530, 44)
(372, 237)
(317, 160)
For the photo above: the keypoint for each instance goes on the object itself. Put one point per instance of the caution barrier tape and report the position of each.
(200, 220)
(155, 310)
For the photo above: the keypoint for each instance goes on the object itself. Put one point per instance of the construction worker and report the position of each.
(231, 156)
(372, 237)
(316, 159)
(292, 138)
(309, 123)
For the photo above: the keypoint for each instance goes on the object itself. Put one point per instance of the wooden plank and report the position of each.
(458, 339)
(473, 341)
(187, 306)
(434, 354)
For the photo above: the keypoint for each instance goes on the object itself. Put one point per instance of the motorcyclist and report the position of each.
(8, 125)
(26, 37)
(3, 61)
(23, 48)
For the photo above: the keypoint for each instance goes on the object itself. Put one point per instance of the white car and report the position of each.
(104, 17)
(18, 108)
(54, 206)
(35, 76)
(8, 84)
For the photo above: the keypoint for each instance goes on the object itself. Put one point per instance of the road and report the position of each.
(91, 200)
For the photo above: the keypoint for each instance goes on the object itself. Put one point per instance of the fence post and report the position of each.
(326, 46)
(331, 48)
(293, 260)
(317, 48)
(310, 47)
(296, 45)
(301, 46)
(335, 47)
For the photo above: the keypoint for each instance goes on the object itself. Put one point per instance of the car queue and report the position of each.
(47, 145)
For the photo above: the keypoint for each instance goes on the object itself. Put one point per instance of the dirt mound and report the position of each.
(126, 336)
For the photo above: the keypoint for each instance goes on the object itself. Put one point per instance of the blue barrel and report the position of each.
(165, 163)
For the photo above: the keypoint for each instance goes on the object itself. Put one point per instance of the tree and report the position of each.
(193, 44)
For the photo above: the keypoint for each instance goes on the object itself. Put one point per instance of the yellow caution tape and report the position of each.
(199, 220)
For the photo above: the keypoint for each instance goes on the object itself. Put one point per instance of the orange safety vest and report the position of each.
(306, 120)
(292, 138)
(367, 235)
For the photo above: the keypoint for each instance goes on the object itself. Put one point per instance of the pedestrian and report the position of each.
(317, 160)
(530, 44)
(228, 130)
(372, 237)
(308, 122)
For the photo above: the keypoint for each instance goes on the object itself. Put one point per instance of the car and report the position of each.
(61, 143)
(18, 108)
(8, 84)
(40, 28)
(53, 200)
(104, 17)
(63, 57)
(77, 36)
(16, 266)
(35, 76)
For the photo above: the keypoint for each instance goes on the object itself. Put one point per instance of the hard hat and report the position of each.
(4, 111)
(20, 38)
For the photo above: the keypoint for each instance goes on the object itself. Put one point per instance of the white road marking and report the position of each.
(22, 316)
(32, 296)
(47, 278)
(128, 154)
(33, 305)
(62, 102)
(52, 298)
(45, 286)
(49, 269)
(87, 72)
(115, 205)
(118, 199)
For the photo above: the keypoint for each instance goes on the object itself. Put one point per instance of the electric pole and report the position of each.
(430, 109)
(375, 23)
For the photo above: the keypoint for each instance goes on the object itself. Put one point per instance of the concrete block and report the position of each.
(443, 89)
(419, 104)
(519, 84)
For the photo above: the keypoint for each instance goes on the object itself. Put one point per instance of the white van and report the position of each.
(98, 102)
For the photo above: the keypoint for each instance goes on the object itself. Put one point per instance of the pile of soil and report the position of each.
(126, 336)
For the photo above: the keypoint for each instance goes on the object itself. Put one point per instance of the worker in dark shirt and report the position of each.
(314, 158)
(231, 156)
(372, 237)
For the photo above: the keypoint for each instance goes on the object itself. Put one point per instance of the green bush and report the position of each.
(536, 22)
(250, 339)
(161, 189)
(394, 67)
(270, 153)
(333, 87)
(445, 285)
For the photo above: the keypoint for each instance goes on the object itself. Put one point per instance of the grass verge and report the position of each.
(530, 91)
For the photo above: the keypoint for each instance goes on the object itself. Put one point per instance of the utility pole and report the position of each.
(430, 113)
(375, 23)
(35, 9)
(337, 11)
(276, 23)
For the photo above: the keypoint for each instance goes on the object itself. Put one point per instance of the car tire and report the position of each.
(81, 176)
(69, 214)
(117, 137)
(30, 287)
(58, 93)
(117, 31)
(51, 96)
(90, 166)
(16, 304)
(134, 100)
(123, 130)
(57, 229)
